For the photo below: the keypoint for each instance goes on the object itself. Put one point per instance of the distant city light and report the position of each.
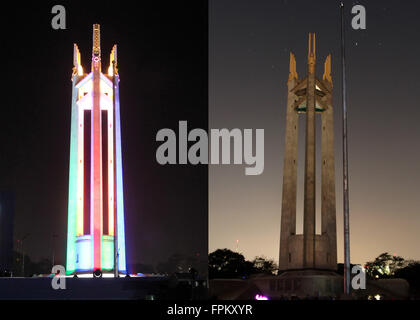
(261, 297)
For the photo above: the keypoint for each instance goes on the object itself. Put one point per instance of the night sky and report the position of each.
(163, 60)
(249, 48)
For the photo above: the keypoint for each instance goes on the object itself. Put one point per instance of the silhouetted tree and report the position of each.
(264, 265)
(224, 263)
(411, 273)
(385, 265)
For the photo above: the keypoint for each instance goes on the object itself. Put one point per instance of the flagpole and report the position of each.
(345, 163)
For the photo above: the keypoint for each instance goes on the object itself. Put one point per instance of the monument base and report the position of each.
(301, 284)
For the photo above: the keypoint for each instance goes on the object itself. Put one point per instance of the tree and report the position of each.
(224, 263)
(264, 265)
(411, 273)
(385, 266)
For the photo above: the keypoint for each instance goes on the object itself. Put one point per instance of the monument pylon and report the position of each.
(95, 229)
(311, 97)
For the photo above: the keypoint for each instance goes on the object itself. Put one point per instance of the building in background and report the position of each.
(95, 231)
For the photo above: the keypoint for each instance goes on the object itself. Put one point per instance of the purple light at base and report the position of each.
(260, 297)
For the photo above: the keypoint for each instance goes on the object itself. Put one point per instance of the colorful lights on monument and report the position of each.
(95, 232)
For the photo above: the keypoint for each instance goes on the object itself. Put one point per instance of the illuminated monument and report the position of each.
(311, 97)
(308, 261)
(95, 234)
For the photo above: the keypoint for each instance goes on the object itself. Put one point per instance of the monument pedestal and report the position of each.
(301, 284)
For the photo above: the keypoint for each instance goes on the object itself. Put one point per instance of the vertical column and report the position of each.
(328, 205)
(80, 172)
(96, 153)
(119, 192)
(72, 201)
(309, 201)
(111, 170)
(288, 212)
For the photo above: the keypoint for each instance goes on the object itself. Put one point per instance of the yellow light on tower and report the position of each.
(113, 62)
(77, 63)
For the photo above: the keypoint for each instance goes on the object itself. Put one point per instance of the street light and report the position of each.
(53, 236)
(23, 253)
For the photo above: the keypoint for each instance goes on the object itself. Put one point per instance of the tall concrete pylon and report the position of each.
(310, 96)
